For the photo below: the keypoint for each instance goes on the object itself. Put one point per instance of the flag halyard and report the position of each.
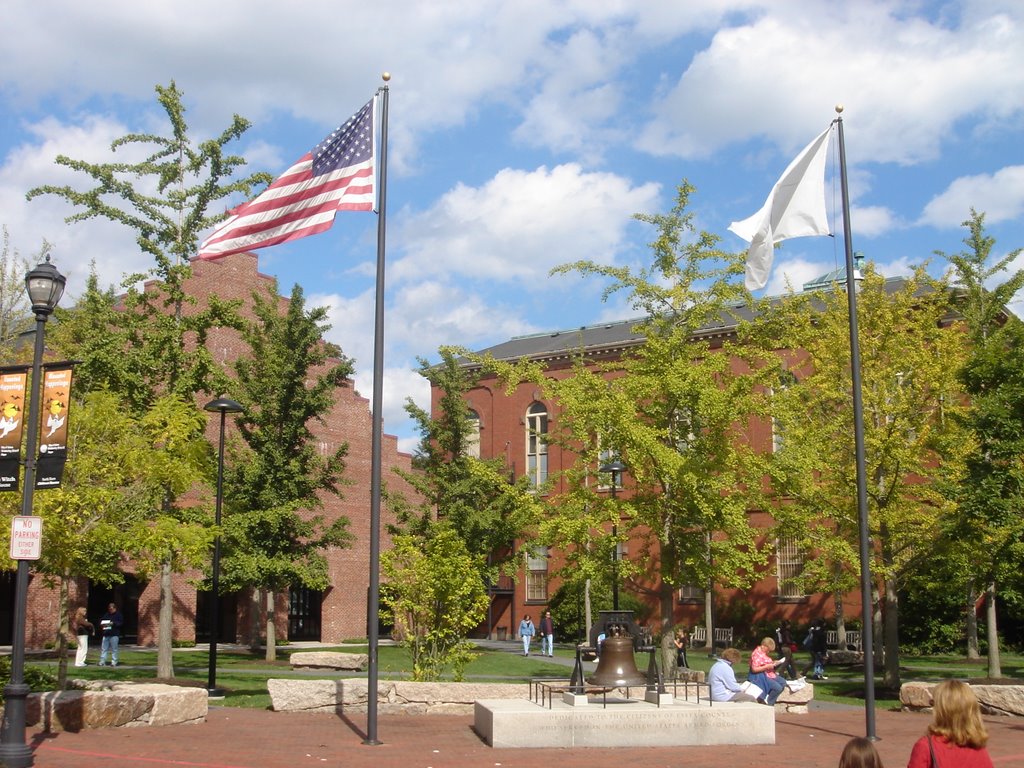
(337, 175)
(794, 208)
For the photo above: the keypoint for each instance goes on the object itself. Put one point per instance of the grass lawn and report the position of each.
(243, 675)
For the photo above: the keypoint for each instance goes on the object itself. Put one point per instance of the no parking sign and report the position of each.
(26, 537)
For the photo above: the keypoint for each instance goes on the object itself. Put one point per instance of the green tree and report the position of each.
(158, 330)
(15, 308)
(434, 595)
(986, 537)
(909, 359)
(288, 381)
(472, 496)
(671, 410)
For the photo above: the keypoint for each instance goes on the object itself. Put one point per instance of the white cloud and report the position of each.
(999, 195)
(872, 220)
(520, 224)
(904, 81)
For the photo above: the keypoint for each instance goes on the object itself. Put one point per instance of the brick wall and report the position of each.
(344, 603)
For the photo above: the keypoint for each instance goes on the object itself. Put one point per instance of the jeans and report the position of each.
(772, 686)
(526, 644)
(547, 644)
(109, 644)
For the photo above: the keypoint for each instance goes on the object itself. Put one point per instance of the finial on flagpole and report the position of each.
(385, 76)
(839, 109)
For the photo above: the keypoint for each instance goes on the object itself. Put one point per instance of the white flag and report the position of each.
(795, 208)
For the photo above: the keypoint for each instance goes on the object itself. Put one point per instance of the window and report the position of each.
(605, 457)
(473, 435)
(304, 613)
(789, 563)
(536, 444)
(537, 575)
(691, 593)
(786, 380)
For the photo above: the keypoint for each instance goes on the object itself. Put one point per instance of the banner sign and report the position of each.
(12, 425)
(53, 427)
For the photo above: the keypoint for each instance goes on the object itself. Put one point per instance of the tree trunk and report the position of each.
(667, 598)
(876, 627)
(165, 639)
(971, 621)
(709, 614)
(63, 633)
(271, 628)
(992, 632)
(891, 620)
(840, 620)
(255, 609)
(589, 618)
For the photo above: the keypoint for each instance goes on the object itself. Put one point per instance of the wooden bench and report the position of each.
(852, 640)
(722, 637)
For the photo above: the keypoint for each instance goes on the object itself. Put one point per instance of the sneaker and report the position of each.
(823, 677)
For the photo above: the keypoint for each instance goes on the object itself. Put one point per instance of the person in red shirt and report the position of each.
(956, 736)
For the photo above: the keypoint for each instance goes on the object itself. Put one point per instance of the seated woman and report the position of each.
(762, 672)
(722, 680)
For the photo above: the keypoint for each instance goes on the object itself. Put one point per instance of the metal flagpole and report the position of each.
(867, 635)
(373, 598)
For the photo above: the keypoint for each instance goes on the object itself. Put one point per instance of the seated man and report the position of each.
(722, 678)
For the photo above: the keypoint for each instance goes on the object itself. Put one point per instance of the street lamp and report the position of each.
(615, 469)
(45, 286)
(223, 406)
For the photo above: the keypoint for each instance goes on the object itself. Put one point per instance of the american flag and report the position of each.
(336, 176)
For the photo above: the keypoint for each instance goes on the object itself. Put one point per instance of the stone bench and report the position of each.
(329, 660)
(1007, 700)
(795, 702)
(393, 696)
(106, 704)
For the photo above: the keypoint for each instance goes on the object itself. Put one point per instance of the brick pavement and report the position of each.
(248, 738)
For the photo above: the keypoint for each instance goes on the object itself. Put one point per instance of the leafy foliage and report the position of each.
(434, 597)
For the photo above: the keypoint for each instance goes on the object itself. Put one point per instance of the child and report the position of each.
(860, 753)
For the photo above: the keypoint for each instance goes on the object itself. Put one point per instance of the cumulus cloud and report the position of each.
(520, 224)
(903, 81)
(999, 195)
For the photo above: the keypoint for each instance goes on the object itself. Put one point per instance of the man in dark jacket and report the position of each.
(817, 643)
(110, 629)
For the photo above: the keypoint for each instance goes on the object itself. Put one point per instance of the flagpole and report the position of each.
(867, 635)
(373, 596)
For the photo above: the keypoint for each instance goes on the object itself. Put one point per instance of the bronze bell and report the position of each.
(617, 667)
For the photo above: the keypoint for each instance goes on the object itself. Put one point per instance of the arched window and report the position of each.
(537, 444)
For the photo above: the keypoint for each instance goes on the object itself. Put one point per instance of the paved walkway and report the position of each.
(250, 738)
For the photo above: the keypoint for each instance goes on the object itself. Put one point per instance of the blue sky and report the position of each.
(526, 134)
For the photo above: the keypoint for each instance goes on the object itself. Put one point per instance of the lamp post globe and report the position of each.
(45, 286)
(223, 406)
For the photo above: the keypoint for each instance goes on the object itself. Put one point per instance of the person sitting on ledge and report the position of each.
(722, 678)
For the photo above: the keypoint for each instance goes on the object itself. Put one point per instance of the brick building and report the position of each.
(334, 615)
(511, 426)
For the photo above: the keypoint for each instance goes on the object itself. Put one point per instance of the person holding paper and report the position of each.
(762, 671)
(722, 678)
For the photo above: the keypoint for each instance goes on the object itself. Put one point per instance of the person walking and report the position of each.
(110, 629)
(786, 646)
(817, 642)
(956, 736)
(82, 628)
(547, 634)
(680, 640)
(526, 633)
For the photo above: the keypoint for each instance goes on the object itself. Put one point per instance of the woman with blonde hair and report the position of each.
(762, 672)
(956, 737)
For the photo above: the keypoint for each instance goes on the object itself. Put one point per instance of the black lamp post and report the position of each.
(224, 406)
(45, 286)
(615, 469)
